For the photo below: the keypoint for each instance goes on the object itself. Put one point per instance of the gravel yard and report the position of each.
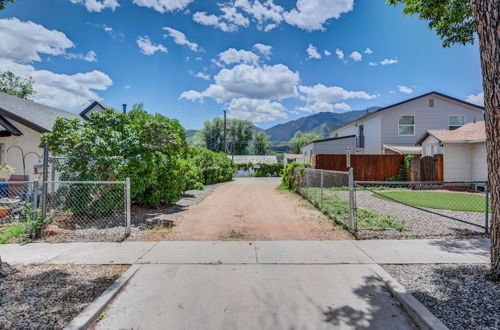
(420, 223)
(147, 224)
(49, 296)
(459, 295)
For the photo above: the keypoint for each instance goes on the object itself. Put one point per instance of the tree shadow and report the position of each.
(477, 246)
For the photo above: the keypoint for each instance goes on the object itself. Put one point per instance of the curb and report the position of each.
(92, 311)
(415, 309)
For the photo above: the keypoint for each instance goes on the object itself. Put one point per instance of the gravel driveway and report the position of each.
(419, 223)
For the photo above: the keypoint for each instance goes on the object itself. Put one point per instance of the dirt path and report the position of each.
(254, 209)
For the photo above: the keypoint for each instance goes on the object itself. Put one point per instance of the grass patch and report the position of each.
(338, 210)
(438, 200)
(15, 232)
(233, 234)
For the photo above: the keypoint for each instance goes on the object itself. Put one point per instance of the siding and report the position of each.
(457, 165)
(431, 147)
(373, 138)
(328, 147)
(425, 118)
(479, 166)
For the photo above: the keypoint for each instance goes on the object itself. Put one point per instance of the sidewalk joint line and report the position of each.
(366, 254)
(146, 252)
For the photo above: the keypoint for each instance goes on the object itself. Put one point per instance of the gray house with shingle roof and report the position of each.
(21, 124)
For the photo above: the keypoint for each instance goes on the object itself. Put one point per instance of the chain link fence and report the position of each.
(385, 209)
(19, 213)
(86, 211)
(423, 209)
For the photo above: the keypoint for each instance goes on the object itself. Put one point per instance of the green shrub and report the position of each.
(208, 167)
(290, 181)
(265, 170)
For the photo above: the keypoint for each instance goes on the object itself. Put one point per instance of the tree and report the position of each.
(300, 139)
(15, 85)
(2, 3)
(456, 22)
(261, 143)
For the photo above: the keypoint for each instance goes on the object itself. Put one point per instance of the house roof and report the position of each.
(8, 128)
(404, 150)
(332, 139)
(37, 116)
(469, 133)
(293, 156)
(254, 159)
(370, 114)
(91, 106)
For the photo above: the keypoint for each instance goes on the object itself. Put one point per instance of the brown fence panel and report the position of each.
(366, 167)
(440, 171)
(428, 168)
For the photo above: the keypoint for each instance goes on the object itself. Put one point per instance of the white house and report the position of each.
(335, 145)
(21, 124)
(395, 129)
(251, 159)
(463, 150)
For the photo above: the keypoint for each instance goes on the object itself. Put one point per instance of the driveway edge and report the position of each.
(415, 309)
(92, 311)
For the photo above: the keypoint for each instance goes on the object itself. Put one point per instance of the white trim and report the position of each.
(449, 117)
(406, 125)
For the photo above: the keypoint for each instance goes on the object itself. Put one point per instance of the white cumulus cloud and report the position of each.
(368, 51)
(373, 64)
(231, 20)
(477, 99)
(254, 110)
(91, 56)
(342, 106)
(147, 47)
(356, 56)
(164, 6)
(319, 97)
(405, 89)
(388, 61)
(232, 56)
(313, 53)
(265, 50)
(327, 52)
(181, 39)
(313, 14)
(340, 54)
(98, 5)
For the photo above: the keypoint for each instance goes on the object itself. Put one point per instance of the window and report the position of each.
(406, 125)
(431, 103)
(455, 122)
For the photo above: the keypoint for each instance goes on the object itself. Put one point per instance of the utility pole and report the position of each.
(225, 133)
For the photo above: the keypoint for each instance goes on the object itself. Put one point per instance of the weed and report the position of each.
(236, 234)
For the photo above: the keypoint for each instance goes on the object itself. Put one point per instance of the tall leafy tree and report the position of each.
(15, 85)
(240, 136)
(456, 22)
(300, 139)
(261, 143)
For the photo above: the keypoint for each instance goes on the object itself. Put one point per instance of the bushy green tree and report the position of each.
(2, 3)
(261, 143)
(300, 139)
(15, 85)
(209, 167)
(150, 149)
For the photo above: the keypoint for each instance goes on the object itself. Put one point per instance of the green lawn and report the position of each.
(438, 200)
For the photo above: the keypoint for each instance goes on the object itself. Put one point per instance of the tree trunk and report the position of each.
(487, 14)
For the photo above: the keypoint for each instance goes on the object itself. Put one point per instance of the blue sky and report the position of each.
(190, 59)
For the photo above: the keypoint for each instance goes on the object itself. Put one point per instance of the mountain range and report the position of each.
(321, 123)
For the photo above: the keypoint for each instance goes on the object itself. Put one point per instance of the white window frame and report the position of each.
(405, 125)
(457, 127)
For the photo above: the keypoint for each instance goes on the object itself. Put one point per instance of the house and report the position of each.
(335, 145)
(463, 150)
(21, 124)
(290, 158)
(253, 160)
(396, 128)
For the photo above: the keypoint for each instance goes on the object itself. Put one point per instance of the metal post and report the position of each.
(127, 206)
(348, 157)
(44, 183)
(322, 189)
(352, 206)
(34, 208)
(225, 133)
(486, 208)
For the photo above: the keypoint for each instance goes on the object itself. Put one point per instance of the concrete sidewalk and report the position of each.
(257, 252)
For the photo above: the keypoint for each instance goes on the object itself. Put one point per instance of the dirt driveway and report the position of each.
(254, 209)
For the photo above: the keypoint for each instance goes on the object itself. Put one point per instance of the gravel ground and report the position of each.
(420, 223)
(50, 296)
(145, 222)
(459, 295)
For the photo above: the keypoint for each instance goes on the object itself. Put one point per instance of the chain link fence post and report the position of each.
(127, 207)
(34, 209)
(352, 214)
(486, 208)
(322, 180)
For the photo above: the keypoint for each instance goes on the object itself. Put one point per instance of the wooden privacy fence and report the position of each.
(366, 167)
(427, 168)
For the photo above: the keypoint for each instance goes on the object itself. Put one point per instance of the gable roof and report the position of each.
(332, 139)
(34, 115)
(90, 107)
(370, 114)
(469, 133)
(8, 128)
(254, 159)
